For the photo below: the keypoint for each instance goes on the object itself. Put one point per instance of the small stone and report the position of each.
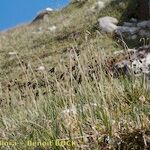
(12, 53)
(52, 28)
(108, 24)
(99, 5)
(41, 68)
(133, 20)
(71, 110)
(49, 9)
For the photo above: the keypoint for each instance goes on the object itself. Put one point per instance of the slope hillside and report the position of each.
(58, 89)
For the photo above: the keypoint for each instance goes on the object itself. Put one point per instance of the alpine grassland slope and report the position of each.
(55, 86)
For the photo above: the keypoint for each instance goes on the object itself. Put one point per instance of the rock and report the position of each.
(144, 24)
(108, 24)
(136, 61)
(129, 24)
(129, 30)
(52, 28)
(122, 5)
(144, 33)
(132, 37)
(12, 53)
(133, 20)
(40, 68)
(71, 110)
(109, 19)
(146, 64)
(136, 66)
(124, 29)
(98, 6)
(49, 9)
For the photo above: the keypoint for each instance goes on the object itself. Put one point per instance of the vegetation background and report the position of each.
(53, 85)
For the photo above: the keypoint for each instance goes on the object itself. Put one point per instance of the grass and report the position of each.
(77, 101)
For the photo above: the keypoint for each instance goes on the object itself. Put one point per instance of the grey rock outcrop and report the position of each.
(130, 30)
(136, 61)
(126, 29)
